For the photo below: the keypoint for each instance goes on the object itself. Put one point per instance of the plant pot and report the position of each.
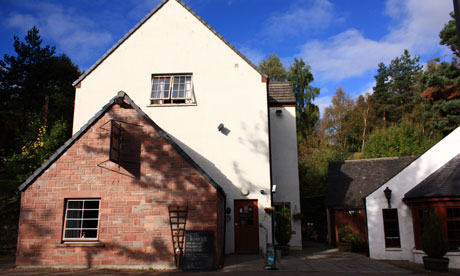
(284, 249)
(344, 246)
(436, 264)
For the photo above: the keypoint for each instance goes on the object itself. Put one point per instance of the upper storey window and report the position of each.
(172, 89)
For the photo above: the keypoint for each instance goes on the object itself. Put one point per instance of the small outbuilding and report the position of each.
(348, 183)
(119, 193)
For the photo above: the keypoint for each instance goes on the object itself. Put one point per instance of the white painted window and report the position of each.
(81, 219)
(172, 89)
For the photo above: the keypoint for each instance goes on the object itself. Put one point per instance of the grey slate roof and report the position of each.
(351, 180)
(280, 93)
(445, 182)
(120, 96)
(138, 25)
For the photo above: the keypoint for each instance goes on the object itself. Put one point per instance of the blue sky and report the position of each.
(342, 41)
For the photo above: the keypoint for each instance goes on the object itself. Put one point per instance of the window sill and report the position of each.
(81, 244)
(165, 105)
(393, 249)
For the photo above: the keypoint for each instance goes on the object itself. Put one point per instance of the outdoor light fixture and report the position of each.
(388, 196)
(279, 112)
(220, 127)
(244, 191)
(263, 192)
(274, 189)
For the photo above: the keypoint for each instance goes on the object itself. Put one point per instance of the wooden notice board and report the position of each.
(199, 250)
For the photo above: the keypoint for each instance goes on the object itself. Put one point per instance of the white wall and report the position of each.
(400, 184)
(227, 90)
(284, 164)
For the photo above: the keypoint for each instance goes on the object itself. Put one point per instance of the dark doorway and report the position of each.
(246, 226)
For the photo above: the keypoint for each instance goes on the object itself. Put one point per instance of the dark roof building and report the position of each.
(351, 180)
(445, 182)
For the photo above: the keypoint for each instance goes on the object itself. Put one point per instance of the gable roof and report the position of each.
(351, 180)
(147, 17)
(444, 182)
(119, 97)
(280, 93)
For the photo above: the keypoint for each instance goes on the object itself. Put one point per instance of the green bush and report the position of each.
(434, 244)
(346, 235)
(283, 226)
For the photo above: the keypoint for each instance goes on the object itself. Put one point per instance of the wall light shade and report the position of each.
(279, 112)
(220, 127)
(244, 191)
(387, 193)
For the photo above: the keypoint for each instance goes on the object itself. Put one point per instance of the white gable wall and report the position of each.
(400, 184)
(227, 90)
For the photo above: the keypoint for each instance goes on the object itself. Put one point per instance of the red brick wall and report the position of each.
(134, 221)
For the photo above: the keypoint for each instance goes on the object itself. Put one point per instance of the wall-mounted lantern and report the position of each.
(387, 192)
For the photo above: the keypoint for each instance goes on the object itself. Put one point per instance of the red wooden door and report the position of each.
(246, 226)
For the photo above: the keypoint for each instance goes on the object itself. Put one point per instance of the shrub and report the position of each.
(434, 244)
(283, 226)
(346, 235)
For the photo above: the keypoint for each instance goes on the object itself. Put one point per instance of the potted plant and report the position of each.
(283, 230)
(435, 245)
(346, 239)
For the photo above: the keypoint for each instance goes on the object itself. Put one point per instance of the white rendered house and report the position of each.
(215, 104)
(430, 183)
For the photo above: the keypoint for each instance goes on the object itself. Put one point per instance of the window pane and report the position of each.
(90, 224)
(73, 223)
(91, 214)
(72, 234)
(74, 214)
(91, 204)
(74, 204)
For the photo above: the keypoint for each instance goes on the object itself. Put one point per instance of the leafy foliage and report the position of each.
(434, 244)
(36, 108)
(346, 235)
(283, 226)
(398, 140)
(273, 68)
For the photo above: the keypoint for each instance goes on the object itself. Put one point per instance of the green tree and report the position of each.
(36, 102)
(441, 86)
(404, 139)
(449, 37)
(340, 126)
(273, 68)
(300, 77)
(396, 86)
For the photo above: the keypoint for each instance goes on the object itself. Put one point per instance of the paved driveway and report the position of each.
(315, 259)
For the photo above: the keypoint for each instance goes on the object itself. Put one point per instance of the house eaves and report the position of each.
(138, 25)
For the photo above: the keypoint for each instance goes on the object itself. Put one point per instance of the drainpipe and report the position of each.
(270, 160)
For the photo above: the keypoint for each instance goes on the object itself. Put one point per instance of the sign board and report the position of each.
(199, 250)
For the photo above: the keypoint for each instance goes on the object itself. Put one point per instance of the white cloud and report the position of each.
(74, 34)
(415, 26)
(303, 16)
(368, 88)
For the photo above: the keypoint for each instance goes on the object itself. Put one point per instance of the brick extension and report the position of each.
(134, 226)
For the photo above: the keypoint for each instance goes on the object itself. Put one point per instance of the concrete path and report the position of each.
(315, 259)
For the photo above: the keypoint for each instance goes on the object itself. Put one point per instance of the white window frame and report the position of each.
(171, 99)
(82, 218)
